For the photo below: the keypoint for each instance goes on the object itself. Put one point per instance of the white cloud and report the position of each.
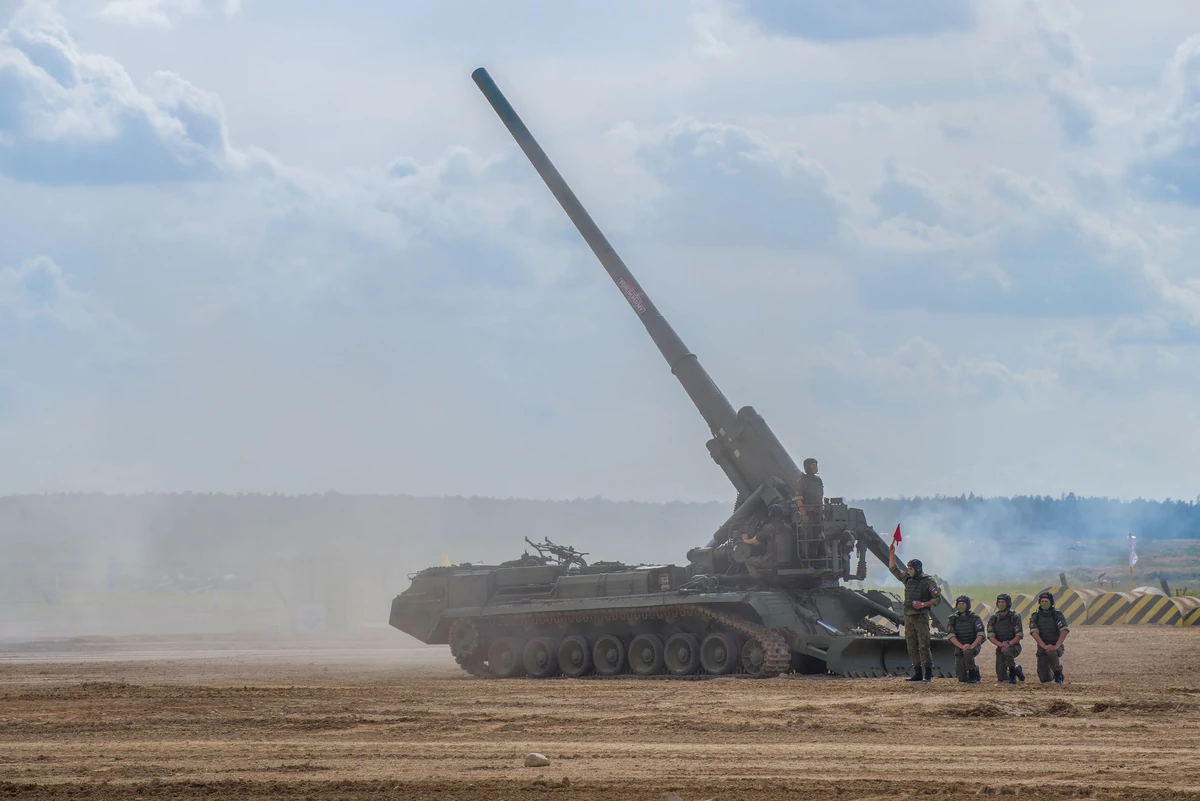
(859, 19)
(918, 373)
(163, 13)
(1005, 243)
(1066, 79)
(73, 117)
(1170, 168)
(37, 289)
(729, 186)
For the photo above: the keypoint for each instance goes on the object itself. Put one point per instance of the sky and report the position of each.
(286, 245)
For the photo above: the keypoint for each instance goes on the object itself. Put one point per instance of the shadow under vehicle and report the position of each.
(554, 614)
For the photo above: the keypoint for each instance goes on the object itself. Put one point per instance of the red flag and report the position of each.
(896, 537)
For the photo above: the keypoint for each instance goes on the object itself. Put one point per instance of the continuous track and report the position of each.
(777, 656)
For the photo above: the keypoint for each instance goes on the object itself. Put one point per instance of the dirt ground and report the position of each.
(369, 717)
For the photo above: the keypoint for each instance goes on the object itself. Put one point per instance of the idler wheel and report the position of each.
(608, 655)
(646, 655)
(541, 657)
(682, 654)
(719, 653)
(504, 658)
(574, 656)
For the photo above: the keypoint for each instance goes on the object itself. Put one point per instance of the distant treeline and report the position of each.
(158, 526)
(1065, 516)
(55, 542)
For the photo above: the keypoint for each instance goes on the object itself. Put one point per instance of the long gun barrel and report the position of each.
(742, 444)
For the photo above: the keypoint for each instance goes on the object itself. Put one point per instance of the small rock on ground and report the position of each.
(536, 761)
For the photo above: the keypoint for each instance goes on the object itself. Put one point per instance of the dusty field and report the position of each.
(369, 719)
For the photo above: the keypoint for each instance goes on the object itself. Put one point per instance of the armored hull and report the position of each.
(544, 620)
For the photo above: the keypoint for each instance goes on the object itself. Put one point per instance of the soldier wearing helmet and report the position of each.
(966, 634)
(1049, 629)
(1004, 631)
(810, 491)
(920, 593)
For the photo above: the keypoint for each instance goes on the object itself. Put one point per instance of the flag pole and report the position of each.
(1132, 559)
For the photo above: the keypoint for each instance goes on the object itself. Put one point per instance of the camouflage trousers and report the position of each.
(916, 636)
(1006, 661)
(964, 662)
(761, 566)
(1049, 663)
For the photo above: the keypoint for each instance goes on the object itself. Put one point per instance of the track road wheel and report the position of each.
(574, 656)
(719, 653)
(682, 654)
(608, 655)
(752, 657)
(504, 658)
(646, 655)
(541, 657)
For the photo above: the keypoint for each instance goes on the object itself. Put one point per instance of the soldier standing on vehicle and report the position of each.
(810, 489)
(966, 634)
(1004, 631)
(1049, 629)
(920, 593)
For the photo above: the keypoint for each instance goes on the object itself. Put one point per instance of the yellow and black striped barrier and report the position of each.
(1154, 609)
(1109, 608)
(1189, 610)
(1074, 604)
(982, 609)
(1024, 604)
(1092, 607)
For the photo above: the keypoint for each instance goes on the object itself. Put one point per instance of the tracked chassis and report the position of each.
(680, 632)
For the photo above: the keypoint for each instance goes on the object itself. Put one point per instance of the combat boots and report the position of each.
(1020, 672)
(1058, 676)
(916, 676)
(929, 673)
(1012, 675)
(973, 675)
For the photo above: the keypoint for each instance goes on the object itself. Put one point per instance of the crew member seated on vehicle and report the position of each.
(773, 537)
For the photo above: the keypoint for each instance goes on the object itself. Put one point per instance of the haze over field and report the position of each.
(96, 564)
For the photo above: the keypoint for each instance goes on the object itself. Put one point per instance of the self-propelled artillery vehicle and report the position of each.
(554, 614)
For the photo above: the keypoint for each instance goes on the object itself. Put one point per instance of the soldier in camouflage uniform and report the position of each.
(966, 634)
(810, 491)
(1049, 628)
(772, 537)
(920, 593)
(1004, 631)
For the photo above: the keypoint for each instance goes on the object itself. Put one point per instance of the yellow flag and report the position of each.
(446, 560)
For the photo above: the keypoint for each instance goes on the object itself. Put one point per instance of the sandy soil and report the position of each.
(368, 718)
